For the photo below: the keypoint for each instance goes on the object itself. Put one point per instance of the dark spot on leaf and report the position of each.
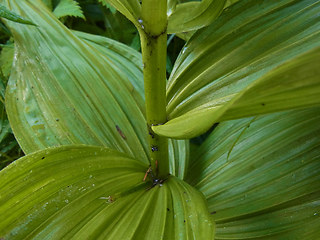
(184, 221)
(214, 212)
(263, 104)
(43, 157)
(120, 132)
(57, 119)
(168, 209)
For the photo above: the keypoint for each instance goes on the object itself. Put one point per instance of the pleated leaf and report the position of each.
(101, 103)
(178, 157)
(83, 192)
(258, 57)
(64, 90)
(192, 15)
(260, 176)
(127, 60)
(129, 8)
(12, 16)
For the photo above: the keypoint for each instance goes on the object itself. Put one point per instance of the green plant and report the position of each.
(101, 164)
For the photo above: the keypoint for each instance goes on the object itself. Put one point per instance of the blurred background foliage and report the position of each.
(91, 16)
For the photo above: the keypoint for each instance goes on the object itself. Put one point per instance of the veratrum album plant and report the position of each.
(106, 135)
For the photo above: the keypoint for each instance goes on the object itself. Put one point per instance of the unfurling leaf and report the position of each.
(190, 16)
(258, 57)
(129, 8)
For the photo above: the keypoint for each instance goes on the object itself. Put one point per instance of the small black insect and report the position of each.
(154, 148)
(152, 136)
(157, 181)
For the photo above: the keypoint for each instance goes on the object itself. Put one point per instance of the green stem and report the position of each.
(153, 34)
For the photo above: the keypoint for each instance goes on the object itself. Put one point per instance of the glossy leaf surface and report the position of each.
(192, 15)
(260, 176)
(63, 90)
(83, 192)
(254, 46)
(12, 16)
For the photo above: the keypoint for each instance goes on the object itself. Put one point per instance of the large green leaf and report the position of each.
(260, 176)
(63, 90)
(102, 103)
(192, 15)
(83, 192)
(266, 49)
(129, 8)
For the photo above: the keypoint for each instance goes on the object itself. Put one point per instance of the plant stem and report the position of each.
(153, 34)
